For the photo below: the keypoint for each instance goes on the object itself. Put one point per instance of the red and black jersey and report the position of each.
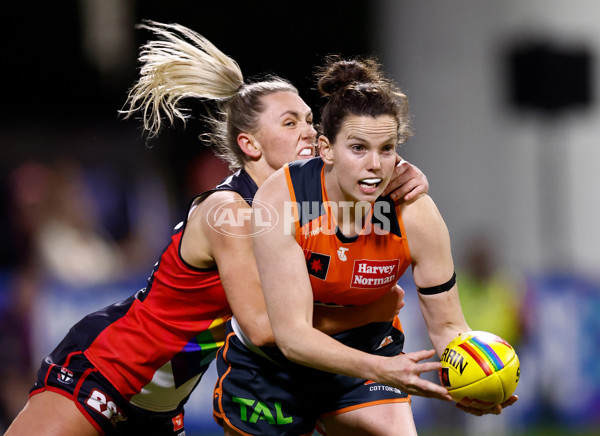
(155, 346)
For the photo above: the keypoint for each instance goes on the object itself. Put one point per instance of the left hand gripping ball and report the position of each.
(480, 369)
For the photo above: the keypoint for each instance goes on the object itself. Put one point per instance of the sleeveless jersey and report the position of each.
(345, 270)
(154, 346)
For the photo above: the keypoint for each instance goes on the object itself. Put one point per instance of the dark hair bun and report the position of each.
(338, 74)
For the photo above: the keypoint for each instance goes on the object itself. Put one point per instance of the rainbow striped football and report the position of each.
(480, 369)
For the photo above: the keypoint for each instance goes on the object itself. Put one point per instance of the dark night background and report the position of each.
(48, 79)
(512, 175)
(61, 134)
(58, 102)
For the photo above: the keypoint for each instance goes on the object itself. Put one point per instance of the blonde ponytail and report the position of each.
(180, 64)
(183, 64)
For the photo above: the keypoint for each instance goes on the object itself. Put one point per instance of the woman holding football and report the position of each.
(340, 243)
(130, 367)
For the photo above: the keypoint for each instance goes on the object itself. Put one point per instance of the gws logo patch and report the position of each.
(385, 341)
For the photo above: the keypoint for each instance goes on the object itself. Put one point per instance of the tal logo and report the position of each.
(252, 410)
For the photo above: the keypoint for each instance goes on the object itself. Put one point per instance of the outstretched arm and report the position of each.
(429, 244)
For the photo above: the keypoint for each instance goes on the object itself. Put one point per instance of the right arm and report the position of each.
(208, 240)
(432, 265)
(429, 244)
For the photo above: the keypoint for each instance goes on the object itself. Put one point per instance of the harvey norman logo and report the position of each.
(374, 273)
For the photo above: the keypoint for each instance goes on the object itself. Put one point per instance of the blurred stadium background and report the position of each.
(506, 117)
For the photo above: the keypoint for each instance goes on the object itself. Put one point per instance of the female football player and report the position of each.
(340, 243)
(130, 367)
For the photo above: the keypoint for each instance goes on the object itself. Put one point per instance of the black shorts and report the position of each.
(68, 372)
(270, 395)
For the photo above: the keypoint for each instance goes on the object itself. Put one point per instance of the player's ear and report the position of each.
(325, 150)
(249, 145)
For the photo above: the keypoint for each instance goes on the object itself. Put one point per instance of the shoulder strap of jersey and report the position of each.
(239, 182)
(304, 183)
(386, 215)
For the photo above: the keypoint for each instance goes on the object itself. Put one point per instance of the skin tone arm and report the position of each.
(335, 319)
(233, 253)
(229, 249)
(289, 298)
(429, 244)
(432, 265)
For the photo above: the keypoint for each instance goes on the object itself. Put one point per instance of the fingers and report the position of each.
(399, 297)
(496, 410)
(408, 370)
(511, 400)
(429, 390)
(414, 189)
(422, 367)
(407, 182)
(417, 356)
(476, 412)
(397, 289)
(426, 388)
(428, 366)
(400, 176)
(400, 161)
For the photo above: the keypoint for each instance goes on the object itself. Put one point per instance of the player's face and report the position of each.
(363, 156)
(286, 131)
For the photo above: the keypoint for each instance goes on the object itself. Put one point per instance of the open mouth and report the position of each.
(370, 183)
(306, 151)
(369, 186)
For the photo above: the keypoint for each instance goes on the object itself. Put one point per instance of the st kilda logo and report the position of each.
(65, 376)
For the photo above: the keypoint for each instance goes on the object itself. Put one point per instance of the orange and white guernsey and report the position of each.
(344, 270)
